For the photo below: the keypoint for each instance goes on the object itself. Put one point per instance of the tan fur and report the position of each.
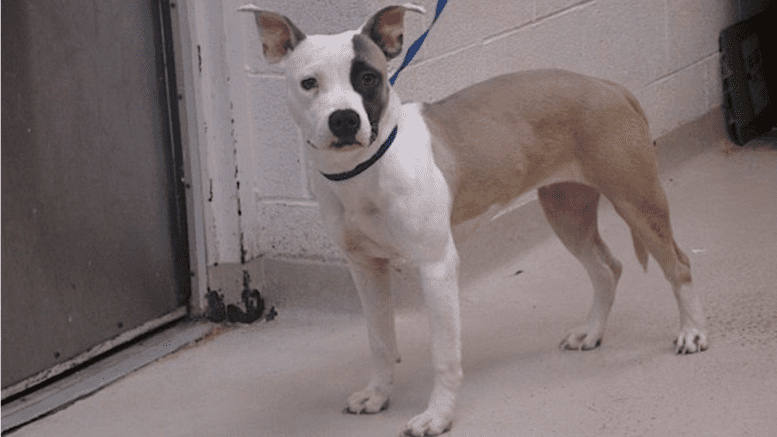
(574, 137)
(505, 136)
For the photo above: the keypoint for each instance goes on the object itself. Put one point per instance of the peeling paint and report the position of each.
(252, 308)
(253, 302)
(216, 311)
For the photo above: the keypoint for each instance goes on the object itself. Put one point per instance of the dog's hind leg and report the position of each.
(637, 195)
(647, 213)
(571, 209)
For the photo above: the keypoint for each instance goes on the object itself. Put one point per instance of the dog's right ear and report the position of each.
(278, 34)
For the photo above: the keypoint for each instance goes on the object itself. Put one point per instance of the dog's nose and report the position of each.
(344, 123)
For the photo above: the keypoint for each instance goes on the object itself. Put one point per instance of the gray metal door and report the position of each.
(91, 224)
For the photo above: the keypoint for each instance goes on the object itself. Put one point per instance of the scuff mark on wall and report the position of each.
(239, 209)
(243, 251)
(199, 58)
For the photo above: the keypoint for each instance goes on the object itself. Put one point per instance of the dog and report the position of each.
(392, 179)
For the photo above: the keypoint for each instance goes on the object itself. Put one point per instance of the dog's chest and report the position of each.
(398, 207)
(367, 228)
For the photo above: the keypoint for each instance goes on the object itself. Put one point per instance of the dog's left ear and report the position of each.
(386, 28)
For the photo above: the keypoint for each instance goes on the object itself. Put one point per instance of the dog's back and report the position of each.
(536, 123)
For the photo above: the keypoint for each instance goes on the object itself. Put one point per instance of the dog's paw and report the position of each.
(367, 401)
(582, 338)
(429, 423)
(691, 341)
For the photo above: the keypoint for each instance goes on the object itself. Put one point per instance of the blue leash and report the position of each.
(417, 44)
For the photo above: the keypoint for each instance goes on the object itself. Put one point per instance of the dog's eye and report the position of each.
(308, 84)
(369, 78)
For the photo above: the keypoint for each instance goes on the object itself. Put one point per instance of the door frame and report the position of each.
(185, 50)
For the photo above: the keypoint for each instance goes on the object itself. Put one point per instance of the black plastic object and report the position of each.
(749, 68)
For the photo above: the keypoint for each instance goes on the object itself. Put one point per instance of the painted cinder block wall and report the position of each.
(257, 212)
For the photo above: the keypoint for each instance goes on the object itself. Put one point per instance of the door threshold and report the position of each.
(93, 352)
(86, 381)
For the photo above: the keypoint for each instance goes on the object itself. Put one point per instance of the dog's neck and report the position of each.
(332, 162)
(363, 166)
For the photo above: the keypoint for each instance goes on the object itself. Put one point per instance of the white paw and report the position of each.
(690, 341)
(582, 338)
(430, 422)
(367, 401)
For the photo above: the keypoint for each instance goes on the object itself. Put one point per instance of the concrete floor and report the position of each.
(290, 376)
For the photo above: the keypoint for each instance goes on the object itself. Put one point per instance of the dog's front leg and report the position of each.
(439, 281)
(372, 282)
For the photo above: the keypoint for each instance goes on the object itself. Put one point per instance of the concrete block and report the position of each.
(290, 228)
(299, 283)
(544, 8)
(693, 27)
(269, 150)
(464, 23)
(676, 99)
(713, 82)
(436, 78)
(555, 42)
(329, 287)
(624, 41)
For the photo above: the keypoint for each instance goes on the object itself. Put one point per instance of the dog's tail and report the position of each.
(640, 249)
(635, 104)
(639, 245)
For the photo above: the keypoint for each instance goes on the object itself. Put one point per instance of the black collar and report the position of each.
(366, 164)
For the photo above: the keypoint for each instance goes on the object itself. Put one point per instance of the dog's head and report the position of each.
(337, 84)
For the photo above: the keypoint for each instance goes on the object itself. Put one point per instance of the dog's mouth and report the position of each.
(349, 142)
(341, 144)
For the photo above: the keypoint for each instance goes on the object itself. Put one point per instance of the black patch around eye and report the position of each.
(368, 79)
(365, 80)
(369, 83)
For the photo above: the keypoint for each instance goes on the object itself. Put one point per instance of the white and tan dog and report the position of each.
(392, 179)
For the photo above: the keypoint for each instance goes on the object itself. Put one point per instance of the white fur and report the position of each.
(400, 209)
